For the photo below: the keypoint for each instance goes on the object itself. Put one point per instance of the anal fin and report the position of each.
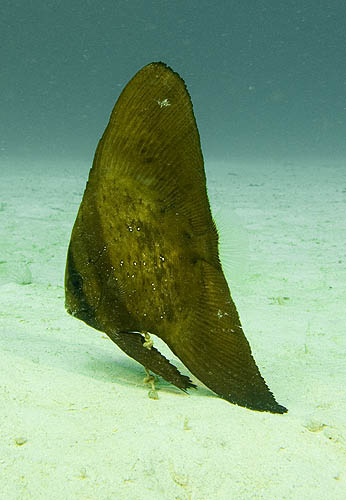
(214, 348)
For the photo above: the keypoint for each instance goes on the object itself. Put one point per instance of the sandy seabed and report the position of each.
(76, 421)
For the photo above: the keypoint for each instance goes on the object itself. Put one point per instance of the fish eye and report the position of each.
(75, 281)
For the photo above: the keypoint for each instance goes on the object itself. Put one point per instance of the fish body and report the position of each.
(143, 256)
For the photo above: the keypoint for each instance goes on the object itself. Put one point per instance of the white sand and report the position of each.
(75, 418)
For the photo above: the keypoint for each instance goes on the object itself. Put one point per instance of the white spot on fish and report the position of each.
(164, 103)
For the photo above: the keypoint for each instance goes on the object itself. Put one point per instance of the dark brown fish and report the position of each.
(143, 255)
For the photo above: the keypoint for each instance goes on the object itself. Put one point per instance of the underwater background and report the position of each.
(267, 78)
(268, 83)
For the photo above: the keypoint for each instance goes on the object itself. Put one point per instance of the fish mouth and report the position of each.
(85, 313)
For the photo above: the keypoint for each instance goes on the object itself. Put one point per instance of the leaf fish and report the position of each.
(143, 256)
